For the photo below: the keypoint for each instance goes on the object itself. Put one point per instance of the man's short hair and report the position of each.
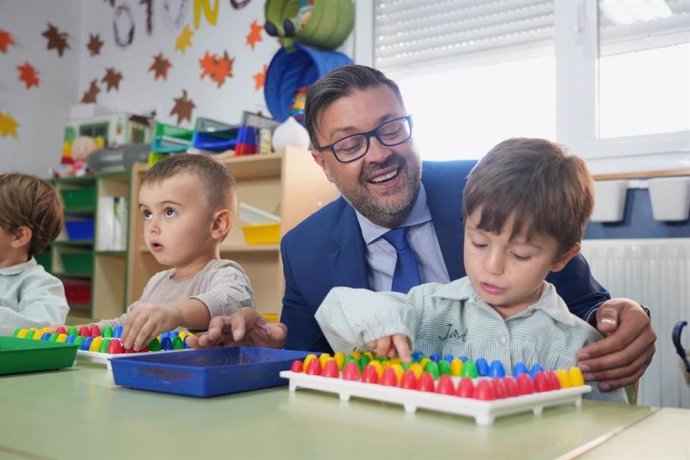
(214, 178)
(339, 83)
(541, 184)
(26, 200)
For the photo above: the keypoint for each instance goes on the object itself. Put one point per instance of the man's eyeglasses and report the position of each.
(355, 146)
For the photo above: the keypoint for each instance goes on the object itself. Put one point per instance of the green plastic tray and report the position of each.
(27, 355)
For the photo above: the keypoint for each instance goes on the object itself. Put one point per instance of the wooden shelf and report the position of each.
(643, 174)
(106, 269)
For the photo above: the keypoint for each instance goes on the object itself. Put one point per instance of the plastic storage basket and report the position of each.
(79, 198)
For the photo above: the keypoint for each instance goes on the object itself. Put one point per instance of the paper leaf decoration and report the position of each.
(183, 108)
(90, 95)
(216, 67)
(184, 40)
(160, 67)
(28, 74)
(254, 35)
(260, 78)
(8, 125)
(56, 39)
(95, 44)
(112, 79)
(5, 40)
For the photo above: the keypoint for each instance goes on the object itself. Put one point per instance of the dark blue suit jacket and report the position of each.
(327, 250)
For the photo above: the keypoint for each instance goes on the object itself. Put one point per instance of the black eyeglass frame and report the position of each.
(368, 135)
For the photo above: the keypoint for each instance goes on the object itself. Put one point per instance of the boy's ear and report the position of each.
(22, 237)
(560, 263)
(222, 223)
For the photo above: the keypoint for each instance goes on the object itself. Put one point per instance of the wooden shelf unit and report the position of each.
(290, 185)
(104, 271)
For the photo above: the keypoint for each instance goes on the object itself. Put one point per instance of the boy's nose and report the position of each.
(495, 262)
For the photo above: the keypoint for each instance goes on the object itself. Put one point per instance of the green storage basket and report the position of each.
(77, 263)
(79, 198)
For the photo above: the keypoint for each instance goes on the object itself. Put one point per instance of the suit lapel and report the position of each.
(444, 187)
(348, 260)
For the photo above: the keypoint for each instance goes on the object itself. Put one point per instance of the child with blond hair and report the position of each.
(188, 203)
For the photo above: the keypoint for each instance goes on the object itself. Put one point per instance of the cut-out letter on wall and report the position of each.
(210, 13)
(175, 13)
(122, 18)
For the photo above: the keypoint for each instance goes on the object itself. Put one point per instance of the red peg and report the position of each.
(296, 366)
(465, 388)
(331, 369)
(445, 385)
(484, 391)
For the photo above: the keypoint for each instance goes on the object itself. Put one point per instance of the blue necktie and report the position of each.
(406, 273)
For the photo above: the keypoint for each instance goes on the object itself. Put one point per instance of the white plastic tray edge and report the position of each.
(484, 412)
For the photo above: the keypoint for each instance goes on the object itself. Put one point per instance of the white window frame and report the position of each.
(576, 41)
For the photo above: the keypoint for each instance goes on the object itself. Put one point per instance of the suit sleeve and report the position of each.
(578, 288)
(297, 314)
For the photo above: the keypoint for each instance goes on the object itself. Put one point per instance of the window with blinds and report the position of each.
(413, 34)
(484, 70)
(422, 33)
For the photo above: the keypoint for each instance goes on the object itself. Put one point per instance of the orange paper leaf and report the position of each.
(5, 40)
(254, 35)
(260, 78)
(28, 74)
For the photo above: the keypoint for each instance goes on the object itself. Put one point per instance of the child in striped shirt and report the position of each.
(525, 208)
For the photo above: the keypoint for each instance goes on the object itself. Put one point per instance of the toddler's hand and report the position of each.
(147, 321)
(391, 346)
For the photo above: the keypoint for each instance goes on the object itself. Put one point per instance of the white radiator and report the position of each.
(654, 272)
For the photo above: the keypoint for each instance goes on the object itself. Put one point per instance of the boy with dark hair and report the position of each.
(31, 216)
(525, 208)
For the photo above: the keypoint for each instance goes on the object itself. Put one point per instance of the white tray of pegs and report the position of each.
(484, 412)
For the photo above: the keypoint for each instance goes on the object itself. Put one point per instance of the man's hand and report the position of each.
(626, 350)
(391, 346)
(147, 321)
(244, 327)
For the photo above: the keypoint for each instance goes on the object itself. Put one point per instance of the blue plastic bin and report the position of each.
(205, 372)
(80, 229)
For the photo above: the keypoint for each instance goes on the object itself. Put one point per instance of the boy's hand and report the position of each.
(391, 346)
(244, 327)
(147, 321)
(626, 350)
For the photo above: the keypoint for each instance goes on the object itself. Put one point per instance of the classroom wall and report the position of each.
(132, 36)
(35, 111)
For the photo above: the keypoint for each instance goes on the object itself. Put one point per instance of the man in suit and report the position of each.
(362, 138)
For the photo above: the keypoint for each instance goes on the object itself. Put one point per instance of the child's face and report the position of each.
(508, 274)
(178, 223)
(12, 252)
